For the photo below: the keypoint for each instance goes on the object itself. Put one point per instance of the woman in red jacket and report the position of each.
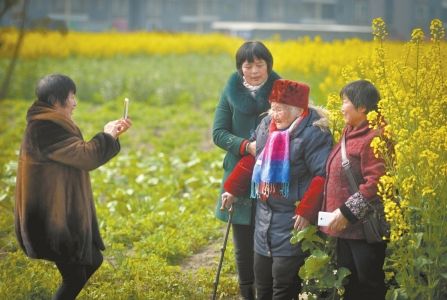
(364, 260)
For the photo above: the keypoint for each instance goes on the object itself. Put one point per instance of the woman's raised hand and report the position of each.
(123, 125)
(117, 127)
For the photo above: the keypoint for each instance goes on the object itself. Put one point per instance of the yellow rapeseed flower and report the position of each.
(417, 35)
(437, 30)
(379, 29)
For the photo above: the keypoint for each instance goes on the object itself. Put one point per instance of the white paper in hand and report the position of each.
(325, 218)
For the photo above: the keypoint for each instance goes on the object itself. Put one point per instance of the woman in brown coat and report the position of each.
(55, 215)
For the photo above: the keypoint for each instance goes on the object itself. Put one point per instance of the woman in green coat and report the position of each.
(237, 115)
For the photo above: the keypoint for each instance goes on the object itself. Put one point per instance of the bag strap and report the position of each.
(347, 166)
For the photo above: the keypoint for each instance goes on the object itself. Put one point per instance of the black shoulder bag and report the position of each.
(375, 226)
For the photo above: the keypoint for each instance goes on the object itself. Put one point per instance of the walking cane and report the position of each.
(224, 246)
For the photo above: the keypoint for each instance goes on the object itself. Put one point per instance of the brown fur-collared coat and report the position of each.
(55, 216)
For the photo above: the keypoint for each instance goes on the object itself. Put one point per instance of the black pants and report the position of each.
(243, 250)
(365, 261)
(277, 277)
(75, 276)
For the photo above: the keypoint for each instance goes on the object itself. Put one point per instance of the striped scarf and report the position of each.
(272, 168)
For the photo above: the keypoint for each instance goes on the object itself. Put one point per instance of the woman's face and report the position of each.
(70, 105)
(353, 116)
(255, 72)
(283, 115)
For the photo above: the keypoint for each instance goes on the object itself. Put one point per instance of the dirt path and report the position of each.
(208, 257)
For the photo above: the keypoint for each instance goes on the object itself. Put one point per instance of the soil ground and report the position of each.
(208, 258)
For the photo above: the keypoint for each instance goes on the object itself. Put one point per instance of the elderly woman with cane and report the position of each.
(55, 215)
(292, 145)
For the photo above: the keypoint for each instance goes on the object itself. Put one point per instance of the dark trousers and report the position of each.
(243, 250)
(277, 277)
(75, 276)
(365, 261)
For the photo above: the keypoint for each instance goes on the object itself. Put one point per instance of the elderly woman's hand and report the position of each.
(339, 222)
(251, 148)
(300, 223)
(227, 201)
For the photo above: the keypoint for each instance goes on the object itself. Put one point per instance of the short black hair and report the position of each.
(361, 93)
(251, 50)
(55, 88)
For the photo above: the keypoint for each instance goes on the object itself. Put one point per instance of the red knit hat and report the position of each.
(290, 92)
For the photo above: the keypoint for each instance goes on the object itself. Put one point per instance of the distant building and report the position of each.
(247, 18)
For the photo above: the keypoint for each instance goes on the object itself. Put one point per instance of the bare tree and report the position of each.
(7, 4)
(10, 70)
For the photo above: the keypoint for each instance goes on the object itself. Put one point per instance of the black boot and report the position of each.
(247, 292)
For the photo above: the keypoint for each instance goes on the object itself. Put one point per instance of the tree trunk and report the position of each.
(7, 5)
(10, 70)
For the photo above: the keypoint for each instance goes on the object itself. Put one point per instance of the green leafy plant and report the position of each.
(320, 274)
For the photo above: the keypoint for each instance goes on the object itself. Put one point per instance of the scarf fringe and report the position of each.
(263, 190)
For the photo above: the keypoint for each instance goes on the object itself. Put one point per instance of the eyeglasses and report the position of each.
(278, 109)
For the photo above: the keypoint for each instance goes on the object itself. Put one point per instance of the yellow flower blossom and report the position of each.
(437, 30)
(417, 35)
(428, 191)
(379, 29)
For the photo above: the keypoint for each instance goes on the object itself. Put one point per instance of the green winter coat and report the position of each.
(236, 118)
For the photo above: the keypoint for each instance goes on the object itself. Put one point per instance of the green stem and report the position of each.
(382, 62)
(417, 70)
(440, 60)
